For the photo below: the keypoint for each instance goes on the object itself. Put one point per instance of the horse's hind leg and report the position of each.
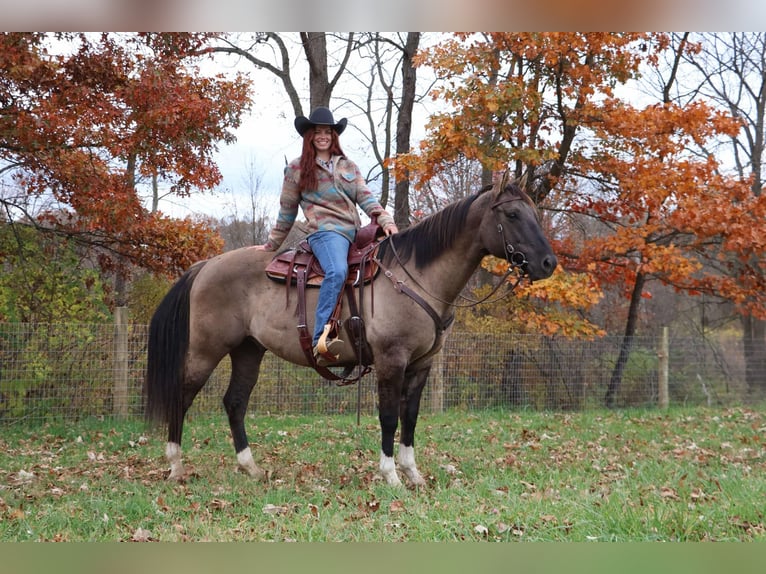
(245, 364)
(409, 408)
(197, 375)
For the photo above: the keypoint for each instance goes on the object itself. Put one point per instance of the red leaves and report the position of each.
(87, 127)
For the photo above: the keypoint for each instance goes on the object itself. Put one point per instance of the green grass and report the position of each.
(681, 475)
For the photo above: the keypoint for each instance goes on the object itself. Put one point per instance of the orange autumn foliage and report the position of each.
(546, 104)
(86, 118)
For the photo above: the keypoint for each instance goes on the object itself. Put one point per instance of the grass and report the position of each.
(680, 475)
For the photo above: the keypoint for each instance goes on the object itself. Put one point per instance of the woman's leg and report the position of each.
(331, 249)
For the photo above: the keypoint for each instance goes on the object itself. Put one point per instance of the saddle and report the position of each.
(300, 269)
(362, 267)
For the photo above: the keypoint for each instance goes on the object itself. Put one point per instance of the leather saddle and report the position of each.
(298, 267)
(362, 267)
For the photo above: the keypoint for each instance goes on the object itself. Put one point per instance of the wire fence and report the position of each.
(72, 371)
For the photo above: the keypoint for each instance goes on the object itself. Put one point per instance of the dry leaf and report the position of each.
(274, 510)
(24, 477)
(396, 506)
(141, 535)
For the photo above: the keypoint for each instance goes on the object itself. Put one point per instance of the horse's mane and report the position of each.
(428, 238)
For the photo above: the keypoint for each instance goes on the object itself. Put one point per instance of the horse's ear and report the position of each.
(523, 180)
(502, 182)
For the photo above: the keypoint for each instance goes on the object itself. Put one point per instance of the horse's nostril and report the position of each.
(549, 263)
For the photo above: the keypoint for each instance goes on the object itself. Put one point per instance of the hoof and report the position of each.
(392, 479)
(246, 464)
(414, 477)
(177, 477)
(388, 470)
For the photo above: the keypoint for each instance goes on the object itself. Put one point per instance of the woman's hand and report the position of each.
(390, 229)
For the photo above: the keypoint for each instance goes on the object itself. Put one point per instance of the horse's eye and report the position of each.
(513, 215)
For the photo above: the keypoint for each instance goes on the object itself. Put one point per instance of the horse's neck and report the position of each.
(454, 269)
(446, 277)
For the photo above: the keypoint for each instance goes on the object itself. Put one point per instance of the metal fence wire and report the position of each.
(71, 371)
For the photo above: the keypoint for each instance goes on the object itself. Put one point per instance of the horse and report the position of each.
(227, 305)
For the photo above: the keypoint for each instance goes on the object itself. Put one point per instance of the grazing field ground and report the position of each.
(640, 475)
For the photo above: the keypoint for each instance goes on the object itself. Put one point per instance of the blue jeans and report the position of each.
(331, 249)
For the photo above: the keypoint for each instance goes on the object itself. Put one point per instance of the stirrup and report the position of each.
(323, 349)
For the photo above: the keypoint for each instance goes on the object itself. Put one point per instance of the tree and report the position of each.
(86, 122)
(520, 99)
(45, 280)
(732, 75)
(314, 48)
(546, 104)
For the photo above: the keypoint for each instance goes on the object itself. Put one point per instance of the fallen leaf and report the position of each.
(396, 506)
(24, 477)
(141, 535)
(548, 518)
(274, 510)
(669, 493)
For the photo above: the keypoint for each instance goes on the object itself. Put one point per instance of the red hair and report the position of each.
(308, 178)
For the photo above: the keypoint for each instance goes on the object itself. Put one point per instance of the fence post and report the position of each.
(120, 390)
(436, 380)
(664, 366)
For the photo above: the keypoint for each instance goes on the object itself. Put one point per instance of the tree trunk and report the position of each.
(627, 342)
(404, 130)
(315, 48)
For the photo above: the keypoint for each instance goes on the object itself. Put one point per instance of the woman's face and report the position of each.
(322, 138)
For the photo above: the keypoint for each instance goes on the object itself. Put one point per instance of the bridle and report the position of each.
(516, 259)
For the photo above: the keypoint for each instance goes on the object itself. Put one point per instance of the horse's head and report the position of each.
(511, 230)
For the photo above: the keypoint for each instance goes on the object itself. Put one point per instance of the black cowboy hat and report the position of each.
(319, 117)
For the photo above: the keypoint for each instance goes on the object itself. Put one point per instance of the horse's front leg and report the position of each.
(409, 408)
(389, 394)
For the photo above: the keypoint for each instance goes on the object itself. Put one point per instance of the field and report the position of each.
(687, 474)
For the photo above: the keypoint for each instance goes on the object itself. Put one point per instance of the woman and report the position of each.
(328, 187)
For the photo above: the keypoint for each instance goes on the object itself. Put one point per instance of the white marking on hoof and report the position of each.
(247, 464)
(173, 454)
(406, 460)
(388, 470)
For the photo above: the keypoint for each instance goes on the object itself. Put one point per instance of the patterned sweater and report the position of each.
(331, 207)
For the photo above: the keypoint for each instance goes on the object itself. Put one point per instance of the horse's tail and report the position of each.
(168, 344)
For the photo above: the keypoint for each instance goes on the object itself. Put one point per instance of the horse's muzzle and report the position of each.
(544, 269)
